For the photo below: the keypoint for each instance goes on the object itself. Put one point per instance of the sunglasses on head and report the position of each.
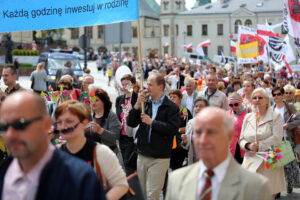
(276, 94)
(18, 124)
(66, 130)
(234, 104)
(256, 98)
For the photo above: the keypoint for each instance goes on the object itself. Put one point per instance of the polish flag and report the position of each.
(188, 46)
(287, 65)
(166, 45)
(232, 46)
(205, 43)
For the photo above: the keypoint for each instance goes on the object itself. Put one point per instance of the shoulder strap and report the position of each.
(287, 107)
(97, 166)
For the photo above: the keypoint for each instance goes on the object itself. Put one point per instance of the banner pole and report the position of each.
(140, 59)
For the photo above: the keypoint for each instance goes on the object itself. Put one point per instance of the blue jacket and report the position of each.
(64, 177)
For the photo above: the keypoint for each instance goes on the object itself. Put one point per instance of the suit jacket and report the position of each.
(184, 97)
(63, 177)
(238, 184)
(219, 99)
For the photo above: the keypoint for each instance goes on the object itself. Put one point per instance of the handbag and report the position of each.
(286, 152)
(135, 191)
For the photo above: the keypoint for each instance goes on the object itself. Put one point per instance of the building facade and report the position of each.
(217, 21)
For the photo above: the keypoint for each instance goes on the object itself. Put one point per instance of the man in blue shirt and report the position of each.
(157, 127)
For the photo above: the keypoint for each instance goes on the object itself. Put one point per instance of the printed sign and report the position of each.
(23, 15)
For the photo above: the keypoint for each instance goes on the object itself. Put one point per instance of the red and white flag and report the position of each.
(204, 43)
(166, 45)
(188, 46)
(232, 46)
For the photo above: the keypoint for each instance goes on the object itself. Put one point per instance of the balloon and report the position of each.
(121, 71)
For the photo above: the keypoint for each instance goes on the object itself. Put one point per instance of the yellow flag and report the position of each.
(249, 50)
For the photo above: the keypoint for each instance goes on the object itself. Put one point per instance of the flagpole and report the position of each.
(140, 59)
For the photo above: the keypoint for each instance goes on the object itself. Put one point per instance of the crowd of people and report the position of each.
(204, 122)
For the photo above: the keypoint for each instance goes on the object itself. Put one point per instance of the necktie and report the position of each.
(206, 192)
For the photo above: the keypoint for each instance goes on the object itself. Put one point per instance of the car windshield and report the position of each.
(54, 63)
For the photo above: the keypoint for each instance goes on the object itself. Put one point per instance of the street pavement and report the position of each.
(102, 81)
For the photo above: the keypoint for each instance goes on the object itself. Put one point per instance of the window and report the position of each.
(204, 29)
(166, 50)
(75, 33)
(178, 4)
(100, 31)
(189, 30)
(177, 29)
(166, 5)
(220, 29)
(236, 25)
(248, 23)
(166, 30)
(205, 51)
(220, 50)
(89, 31)
(134, 32)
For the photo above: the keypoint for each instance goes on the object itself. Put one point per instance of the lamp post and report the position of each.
(184, 35)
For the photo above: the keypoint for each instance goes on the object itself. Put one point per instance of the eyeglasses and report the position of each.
(288, 93)
(19, 124)
(235, 104)
(277, 94)
(256, 98)
(67, 130)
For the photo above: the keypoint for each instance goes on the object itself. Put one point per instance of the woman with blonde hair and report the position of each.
(72, 117)
(261, 129)
(39, 79)
(289, 93)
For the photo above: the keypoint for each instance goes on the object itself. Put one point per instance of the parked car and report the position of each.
(55, 61)
(194, 57)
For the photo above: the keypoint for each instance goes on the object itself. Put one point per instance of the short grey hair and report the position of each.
(67, 76)
(88, 75)
(189, 80)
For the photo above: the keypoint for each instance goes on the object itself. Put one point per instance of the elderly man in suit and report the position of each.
(217, 175)
(190, 94)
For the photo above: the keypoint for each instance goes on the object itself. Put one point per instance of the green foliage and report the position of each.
(22, 52)
(22, 66)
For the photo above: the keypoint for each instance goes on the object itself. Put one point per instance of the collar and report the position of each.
(33, 175)
(16, 87)
(159, 101)
(220, 170)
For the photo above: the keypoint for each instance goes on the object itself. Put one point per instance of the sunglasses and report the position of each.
(288, 93)
(256, 98)
(19, 124)
(277, 94)
(235, 104)
(66, 130)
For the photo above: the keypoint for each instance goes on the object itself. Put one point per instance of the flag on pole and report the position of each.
(204, 43)
(188, 46)
(166, 45)
(232, 46)
(248, 50)
(200, 51)
(287, 65)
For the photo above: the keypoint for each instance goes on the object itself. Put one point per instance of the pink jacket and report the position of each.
(237, 131)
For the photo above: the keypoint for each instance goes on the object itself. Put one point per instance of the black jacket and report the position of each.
(63, 177)
(164, 127)
(121, 100)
